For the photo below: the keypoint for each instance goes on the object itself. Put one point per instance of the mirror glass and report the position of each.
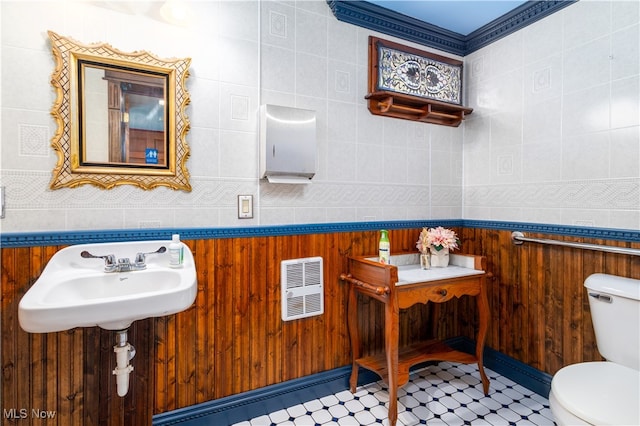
(121, 117)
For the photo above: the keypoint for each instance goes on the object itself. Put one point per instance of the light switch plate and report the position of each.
(245, 206)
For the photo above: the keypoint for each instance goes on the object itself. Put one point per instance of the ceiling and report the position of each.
(460, 16)
(455, 26)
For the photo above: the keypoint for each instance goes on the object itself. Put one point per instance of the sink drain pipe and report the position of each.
(124, 353)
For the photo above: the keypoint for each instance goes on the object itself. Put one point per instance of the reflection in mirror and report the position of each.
(124, 116)
(121, 117)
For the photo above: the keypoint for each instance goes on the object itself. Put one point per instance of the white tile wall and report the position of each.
(554, 137)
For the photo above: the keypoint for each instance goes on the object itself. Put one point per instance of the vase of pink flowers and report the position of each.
(437, 242)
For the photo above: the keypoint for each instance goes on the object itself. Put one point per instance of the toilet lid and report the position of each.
(600, 393)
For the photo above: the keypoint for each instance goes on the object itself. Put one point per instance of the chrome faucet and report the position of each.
(109, 260)
(123, 264)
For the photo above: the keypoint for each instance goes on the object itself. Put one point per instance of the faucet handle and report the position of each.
(109, 260)
(141, 257)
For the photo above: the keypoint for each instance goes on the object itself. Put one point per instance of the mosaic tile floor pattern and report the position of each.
(443, 394)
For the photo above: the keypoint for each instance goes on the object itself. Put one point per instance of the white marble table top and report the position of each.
(409, 271)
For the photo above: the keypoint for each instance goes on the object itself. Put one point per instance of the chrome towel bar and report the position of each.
(518, 238)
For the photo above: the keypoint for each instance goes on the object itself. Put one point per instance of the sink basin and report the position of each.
(76, 292)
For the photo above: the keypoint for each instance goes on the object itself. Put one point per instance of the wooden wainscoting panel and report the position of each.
(534, 279)
(573, 303)
(165, 373)
(242, 254)
(539, 307)
(9, 321)
(233, 338)
(271, 305)
(203, 250)
(223, 308)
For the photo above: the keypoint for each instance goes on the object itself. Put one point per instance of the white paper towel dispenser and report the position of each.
(287, 144)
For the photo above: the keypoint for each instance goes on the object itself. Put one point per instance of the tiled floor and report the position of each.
(443, 394)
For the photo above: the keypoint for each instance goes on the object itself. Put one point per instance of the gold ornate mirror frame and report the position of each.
(126, 79)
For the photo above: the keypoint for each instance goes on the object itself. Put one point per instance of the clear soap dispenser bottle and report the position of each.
(176, 252)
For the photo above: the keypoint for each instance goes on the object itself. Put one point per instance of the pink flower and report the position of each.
(438, 239)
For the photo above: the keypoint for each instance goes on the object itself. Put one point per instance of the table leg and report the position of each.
(354, 335)
(483, 313)
(391, 349)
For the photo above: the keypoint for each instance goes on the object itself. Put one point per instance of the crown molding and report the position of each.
(380, 19)
(377, 18)
(518, 18)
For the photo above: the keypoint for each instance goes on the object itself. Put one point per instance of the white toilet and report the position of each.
(605, 392)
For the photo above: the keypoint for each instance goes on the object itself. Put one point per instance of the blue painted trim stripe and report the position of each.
(247, 405)
(614, 234)
(84, 237)
(34, 239)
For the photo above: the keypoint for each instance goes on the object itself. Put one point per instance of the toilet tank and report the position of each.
(615, 312)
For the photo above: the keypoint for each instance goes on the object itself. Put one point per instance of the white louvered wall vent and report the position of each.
(302, 288)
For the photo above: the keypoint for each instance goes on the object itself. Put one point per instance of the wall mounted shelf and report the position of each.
(411, 84)
(415, 108)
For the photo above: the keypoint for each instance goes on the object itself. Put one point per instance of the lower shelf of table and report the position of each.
(408, 356)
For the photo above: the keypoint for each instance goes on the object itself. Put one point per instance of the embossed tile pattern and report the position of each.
(443, 394)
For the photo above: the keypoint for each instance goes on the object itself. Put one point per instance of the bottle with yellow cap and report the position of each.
(384, 249)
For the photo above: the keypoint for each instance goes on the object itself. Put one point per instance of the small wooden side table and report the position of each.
(401, 285)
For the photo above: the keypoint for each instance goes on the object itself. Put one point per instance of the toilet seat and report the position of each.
(600, 393)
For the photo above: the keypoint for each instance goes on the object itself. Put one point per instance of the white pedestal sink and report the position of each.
(74, 291)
